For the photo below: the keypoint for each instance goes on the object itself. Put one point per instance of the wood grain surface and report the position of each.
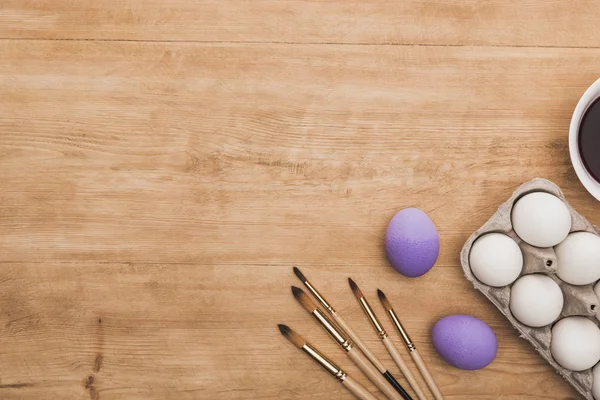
(164, 164)
(440, 22)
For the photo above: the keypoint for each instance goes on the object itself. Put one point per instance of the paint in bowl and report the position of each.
(584, 139)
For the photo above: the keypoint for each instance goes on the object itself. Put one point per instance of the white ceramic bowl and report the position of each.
(591, 94)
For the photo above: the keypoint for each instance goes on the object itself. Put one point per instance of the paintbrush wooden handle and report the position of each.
(357, 390)
(359, 343)
(426, 375)
(403, 367)
(374, 376)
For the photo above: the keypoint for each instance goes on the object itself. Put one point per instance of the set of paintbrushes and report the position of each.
(356, 349)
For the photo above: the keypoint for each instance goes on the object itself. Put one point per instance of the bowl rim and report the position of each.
(592, 93)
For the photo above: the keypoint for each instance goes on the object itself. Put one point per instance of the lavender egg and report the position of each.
(412, 243)
(464, 341)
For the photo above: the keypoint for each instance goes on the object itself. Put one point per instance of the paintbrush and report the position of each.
(359, 343)
(354, 387)
(411, 347)
(353, 353)
(386, 340)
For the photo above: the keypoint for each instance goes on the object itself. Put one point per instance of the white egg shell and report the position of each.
(575, 343)
(496, 259)
(597, 291)
(596, 382)
(541, 219)
(578, 258)
(536, 300)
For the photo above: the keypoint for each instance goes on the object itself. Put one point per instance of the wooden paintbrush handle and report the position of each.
(374, 376)
(359, 343)
(357, 390)
(403, 367)
(426, 375)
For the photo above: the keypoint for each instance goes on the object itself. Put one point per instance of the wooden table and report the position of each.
(164, 164)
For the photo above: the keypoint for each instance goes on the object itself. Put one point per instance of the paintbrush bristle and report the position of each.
(299, 274)
(355, 288)
(291, 336)
(303, 299)
(384, 300)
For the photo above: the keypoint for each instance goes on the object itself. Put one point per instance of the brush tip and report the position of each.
(303, 299)
(354, 287)
(299, 274)
(292, 336)
(383, 299)
(284, 329)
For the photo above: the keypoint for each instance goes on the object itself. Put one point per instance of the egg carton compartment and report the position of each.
(578, 300)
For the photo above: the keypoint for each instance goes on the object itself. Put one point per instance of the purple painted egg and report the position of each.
(464, 341)
(412, 243)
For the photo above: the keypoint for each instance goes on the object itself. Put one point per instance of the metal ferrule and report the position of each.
(409, 343)
(331, 329)
(324, 362)
(347, 346)
(374, 321)
(321, 299)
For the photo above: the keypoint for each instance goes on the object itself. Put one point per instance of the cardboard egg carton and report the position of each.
(578, 300)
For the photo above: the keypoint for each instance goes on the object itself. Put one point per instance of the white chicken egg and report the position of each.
(541, 219)
(596, 382)
(496, 259)
(578, 258)
(575, 343)
(536, 300)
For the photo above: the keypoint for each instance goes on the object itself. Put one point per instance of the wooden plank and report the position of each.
(134, 331)
(237, 154)
(447, 22)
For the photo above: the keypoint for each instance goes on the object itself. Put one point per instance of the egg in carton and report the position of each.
(578, 300)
